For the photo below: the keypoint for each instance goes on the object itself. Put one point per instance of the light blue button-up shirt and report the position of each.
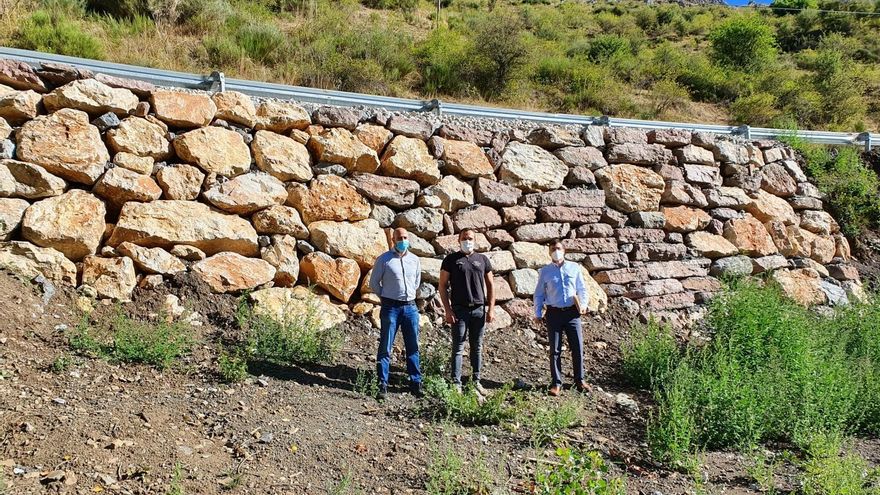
(557, 286)
(396, 277)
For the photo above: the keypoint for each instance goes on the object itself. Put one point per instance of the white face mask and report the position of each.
(467, 246)
(557, 255)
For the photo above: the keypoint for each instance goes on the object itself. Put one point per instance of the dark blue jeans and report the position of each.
(470, 325)
(394, 315)
(566, 322)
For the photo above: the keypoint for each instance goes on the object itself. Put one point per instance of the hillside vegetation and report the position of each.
(804, 68)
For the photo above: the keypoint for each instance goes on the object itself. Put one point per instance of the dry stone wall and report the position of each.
(112, 184)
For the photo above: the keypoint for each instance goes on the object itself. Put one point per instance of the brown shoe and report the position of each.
(554, 391)
(584, 387)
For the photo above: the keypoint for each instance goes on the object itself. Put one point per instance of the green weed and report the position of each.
(547, 423)
(366, 384)
(828, 471)
(298, 339)
(176, 487)
(650, 355)
(55, 33)
(61, 364)
(573, 472)
(467, 408)
(450, 473)
(232, 367)
(121, 338)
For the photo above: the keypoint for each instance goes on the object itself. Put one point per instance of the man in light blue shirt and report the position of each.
(396, 276)
(562, 289)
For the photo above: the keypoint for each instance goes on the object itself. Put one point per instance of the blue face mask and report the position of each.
(401, 246)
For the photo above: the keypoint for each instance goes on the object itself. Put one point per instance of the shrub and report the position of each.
(744, 43)
(202, 16)
(259, 41)
(232, 367)
(122, 338)
(299, 338)
(794, 4)
(450, 473)
(365, 383)
(55, 33)
(650, 355)
(548, 423)
(826, 471)
(606, 46)
(499, 52)
(668, 95)
(574, 472)
(467, 408)
(222, 52)
(444, 59)
(772, 371)
(758, 109)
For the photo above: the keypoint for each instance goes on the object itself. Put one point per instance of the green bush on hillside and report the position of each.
(744, 43)
(55, 33)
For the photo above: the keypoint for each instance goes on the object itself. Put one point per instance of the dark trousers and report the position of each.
(469, 325)
(566, 322)
(394, 315)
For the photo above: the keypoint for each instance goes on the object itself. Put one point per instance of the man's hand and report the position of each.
(450, 318)
(490, 314)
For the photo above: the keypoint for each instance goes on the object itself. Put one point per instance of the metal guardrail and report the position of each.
(217, 81)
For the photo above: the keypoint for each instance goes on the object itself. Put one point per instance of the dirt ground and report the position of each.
(100, 427)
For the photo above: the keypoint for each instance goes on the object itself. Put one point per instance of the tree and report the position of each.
(744, 43)
(499, 51)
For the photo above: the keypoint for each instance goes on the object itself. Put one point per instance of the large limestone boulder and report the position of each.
(639, 154)
(11, 214)
(26, 180)
(767, 207)
(328, 197)
(282, 157)
(233, 106)
(822, 249)
(790, 240)
(180, 109)
(466, 159)
(477, 217)
(750, 236)
(112, 278)
(818, 222)
(361, 241)
(531, 168)
(409, 158)
(711, 245)
(140, 164)
(152, 260)
(72, 223)
(597, 299)
(630, 188)
(424, 222)
(19, 106)
(530, 255)
(684, 219)
(247, 194)
(397, 193)
(120, 185)
(374, 136)
(281, 116)
(340, 146)
(91, 96)
(20, 75)
(214, 149)
(803, 285)
(284, 305)
(523, 281)
(29, 261)
(776, 180)
(180, 181)
(65, 144)
(339, 276)
(167, 223)
(280, 220)
(140, 137)
(451, 194)
(282, 254)
(232, 272)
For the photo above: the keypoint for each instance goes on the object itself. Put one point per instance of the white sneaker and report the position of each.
(480, 390)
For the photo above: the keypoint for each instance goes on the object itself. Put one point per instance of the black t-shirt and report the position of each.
(467, 277)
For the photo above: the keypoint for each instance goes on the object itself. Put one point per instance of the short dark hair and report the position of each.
(466, 229)
(555, 242)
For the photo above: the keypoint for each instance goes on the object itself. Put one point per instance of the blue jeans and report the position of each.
(469, 325)
(394, 315)
(569, 323)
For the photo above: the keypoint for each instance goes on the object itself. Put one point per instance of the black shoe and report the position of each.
(416, 389)
(382, 393)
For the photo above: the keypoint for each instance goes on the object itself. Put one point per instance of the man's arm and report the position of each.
(490, 296)
(540, 296)
(376, 276)
(581, 290)
(443, 287)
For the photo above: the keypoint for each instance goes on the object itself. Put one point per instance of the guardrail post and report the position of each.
(433, 106)
(218, 82)
(866, 137)
(603, 120)
(744, 131)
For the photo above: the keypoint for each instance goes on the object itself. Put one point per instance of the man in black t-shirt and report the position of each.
(468, 295)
